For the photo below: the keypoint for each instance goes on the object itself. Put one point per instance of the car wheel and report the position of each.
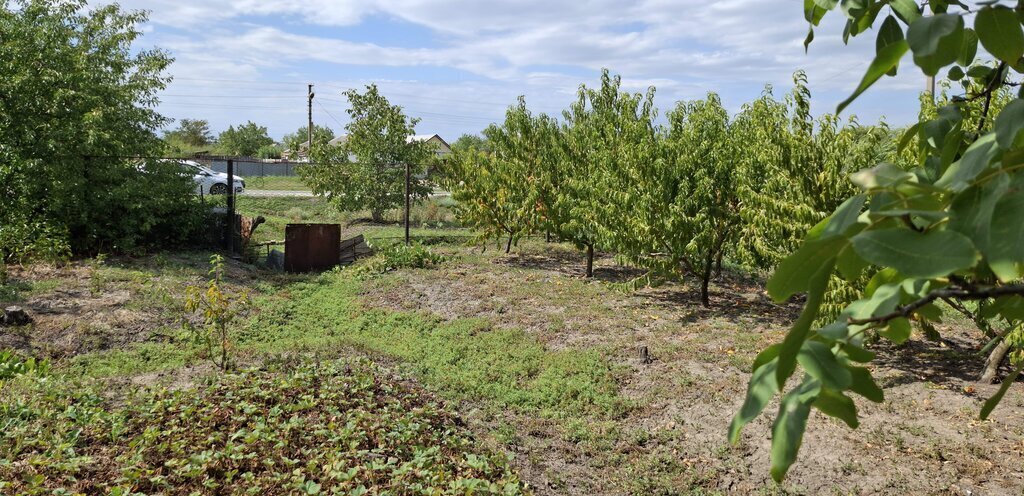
(219, 189)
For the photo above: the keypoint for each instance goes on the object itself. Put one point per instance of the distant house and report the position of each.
(441, 147)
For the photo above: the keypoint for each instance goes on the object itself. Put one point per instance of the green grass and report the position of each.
(465, 359)
(309, 428)
(280, 183)
(433, 218)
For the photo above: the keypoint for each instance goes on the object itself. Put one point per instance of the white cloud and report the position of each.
(535, 47)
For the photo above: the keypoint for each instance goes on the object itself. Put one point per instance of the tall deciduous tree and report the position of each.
(190, 132)
(367, 171)
(245, 140)
(699, 185)
(605, 130)
(76, 102)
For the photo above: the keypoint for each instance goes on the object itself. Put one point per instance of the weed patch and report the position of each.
(338, 427)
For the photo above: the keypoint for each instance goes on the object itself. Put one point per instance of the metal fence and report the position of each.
(253, 167)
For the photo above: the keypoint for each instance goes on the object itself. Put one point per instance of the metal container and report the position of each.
(311, 247)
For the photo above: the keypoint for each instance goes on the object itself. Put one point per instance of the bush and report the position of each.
(399, 256)
(81, 97)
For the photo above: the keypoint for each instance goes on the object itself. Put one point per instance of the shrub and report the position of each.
(399, 256)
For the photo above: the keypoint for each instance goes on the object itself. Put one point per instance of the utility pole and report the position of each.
(408, 178)
(309, 129)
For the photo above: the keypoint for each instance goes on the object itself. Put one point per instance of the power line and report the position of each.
(329, 114)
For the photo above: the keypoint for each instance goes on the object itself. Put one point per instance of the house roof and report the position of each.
(418, 137)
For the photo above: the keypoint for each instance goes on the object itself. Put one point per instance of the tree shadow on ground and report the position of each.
(571, 263)
(953, 362)
(731, 300)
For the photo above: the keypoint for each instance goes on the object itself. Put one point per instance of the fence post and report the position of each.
(407, 202)
(229, 239)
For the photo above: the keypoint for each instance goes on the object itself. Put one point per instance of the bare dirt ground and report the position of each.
(89, 306)
(925, 439)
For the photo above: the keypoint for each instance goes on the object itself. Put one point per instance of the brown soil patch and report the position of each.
(925, 439)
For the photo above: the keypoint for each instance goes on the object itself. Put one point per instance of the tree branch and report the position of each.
(955, 293)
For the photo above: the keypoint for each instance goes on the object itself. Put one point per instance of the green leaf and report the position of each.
(907, 10)
(838, 405)
(885, 60)
(971, 210)
(1006, 242)
(844, 217)
(818, 360)
(1009, 124)
(890, 32)
(858, 354)
(936, 41)
(760, 391)
(790, 424)
(898, 330)
(796, 272)
(929, 255)
(850, 264)
(1000, 33)
(992, 402)
(978, 157)
(794, 340)
(969, 48)
(908, 136)
(864, 385)
(767, 355)
(955, 73)
(880, 176)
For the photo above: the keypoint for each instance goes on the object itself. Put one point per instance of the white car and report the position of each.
(209, 182)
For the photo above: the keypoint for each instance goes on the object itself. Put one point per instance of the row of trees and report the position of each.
(674, 198)
(249, 139)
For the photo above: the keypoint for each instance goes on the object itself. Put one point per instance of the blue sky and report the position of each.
(458, 64)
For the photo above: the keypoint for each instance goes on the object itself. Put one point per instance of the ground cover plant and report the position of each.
(538, 362)
(336, 427)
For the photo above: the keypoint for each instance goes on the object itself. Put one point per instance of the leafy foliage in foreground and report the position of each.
(332, 428)
(947, 230)
(73, 86)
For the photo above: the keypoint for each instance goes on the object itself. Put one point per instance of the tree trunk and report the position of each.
(377, 216)
(995, 358)
(705, 279)
(718, 264)
(590, 260)
(508, 247)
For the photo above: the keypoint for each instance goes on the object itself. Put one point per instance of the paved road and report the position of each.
(277, 193)
(274, 193)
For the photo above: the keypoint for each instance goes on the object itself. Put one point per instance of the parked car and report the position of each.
(209, 182)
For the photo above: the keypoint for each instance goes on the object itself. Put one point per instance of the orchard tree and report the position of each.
(77, 100)
(949, 229)
(367, 171)
(467, 141)
(698, 185)
(497, 187)
(606, 131)
(244, 141)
